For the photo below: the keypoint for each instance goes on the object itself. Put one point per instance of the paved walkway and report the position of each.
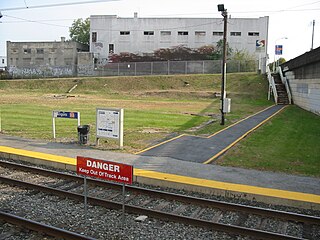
(204, 150)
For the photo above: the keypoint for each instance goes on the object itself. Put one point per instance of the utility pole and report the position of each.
(313, 23)
(224, 13)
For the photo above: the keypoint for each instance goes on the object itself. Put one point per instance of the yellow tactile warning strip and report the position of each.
(171, 139)
(269, 192)
(38, 155)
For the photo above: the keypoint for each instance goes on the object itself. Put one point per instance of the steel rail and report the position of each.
(177, 197)
(42, 228)
(153, 213)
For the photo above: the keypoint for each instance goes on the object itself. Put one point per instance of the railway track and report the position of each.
(257, 223)
(42, 228)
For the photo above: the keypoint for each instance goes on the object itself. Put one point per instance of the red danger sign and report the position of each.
(106, 170)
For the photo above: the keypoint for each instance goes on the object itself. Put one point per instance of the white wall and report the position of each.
(305, 92)
(108, 29)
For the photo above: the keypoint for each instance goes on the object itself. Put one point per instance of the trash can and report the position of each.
(83, 134)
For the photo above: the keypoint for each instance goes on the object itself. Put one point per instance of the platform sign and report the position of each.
(110, 124)
(278, 49)
(111, 171)
(63, 114)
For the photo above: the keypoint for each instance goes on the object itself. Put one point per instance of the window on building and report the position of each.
(94, 37)
(14, 50)
(183, 33)
(217, 33)
(111, 48)
(235, 34)
(200, 33)
(53, 50)
(40, 51)
(27, 50)
(253, 33)
(124, 32)
(165, 33)
(148, 33)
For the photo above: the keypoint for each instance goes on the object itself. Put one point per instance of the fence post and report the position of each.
(135, 69)
(151, 70)
(168, 67)
(202, 67)
(186, 70)
(118, 69)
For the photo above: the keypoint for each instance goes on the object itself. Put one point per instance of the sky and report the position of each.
(290, 21)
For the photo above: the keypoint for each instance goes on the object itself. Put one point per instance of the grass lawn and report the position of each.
(289, 143)
(155, 107)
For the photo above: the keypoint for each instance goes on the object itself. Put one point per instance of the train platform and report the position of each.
(269, 187)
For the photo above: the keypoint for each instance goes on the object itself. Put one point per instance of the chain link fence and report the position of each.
(132, 69)
(173, 67)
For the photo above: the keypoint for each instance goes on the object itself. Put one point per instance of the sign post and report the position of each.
(61, 114)
(109, 124)
(278, 51)
(106, 170)
(85, 192)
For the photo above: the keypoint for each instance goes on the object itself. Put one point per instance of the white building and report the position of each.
(3, 62)
(112, 34)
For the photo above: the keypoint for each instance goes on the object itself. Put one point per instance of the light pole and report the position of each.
(224, 13)
(274, 59)
(313, 23)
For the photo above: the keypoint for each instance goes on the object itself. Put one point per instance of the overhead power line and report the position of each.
(56, 5)
(32, 21)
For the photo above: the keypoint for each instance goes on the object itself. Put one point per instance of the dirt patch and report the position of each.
(175, 94)
(60, 96)
(152, 130)
(196, 128)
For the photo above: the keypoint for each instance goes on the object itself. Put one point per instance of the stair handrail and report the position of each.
(272, 85)
(285, 82)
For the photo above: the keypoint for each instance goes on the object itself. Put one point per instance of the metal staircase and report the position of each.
(279, 87)
(283, 98)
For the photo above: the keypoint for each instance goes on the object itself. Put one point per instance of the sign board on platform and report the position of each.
(106, 170)
(110, 124)
(63, 114)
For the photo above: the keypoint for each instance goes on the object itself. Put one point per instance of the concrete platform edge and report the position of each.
(150, 180)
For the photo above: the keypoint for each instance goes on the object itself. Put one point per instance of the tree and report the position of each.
(80, 31)
(217, 55)
(242, 55)
(278, 62)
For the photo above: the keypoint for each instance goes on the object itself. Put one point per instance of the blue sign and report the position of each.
(278, 50)
(60, 114)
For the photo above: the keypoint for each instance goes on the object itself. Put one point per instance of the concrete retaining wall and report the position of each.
(303, 74)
